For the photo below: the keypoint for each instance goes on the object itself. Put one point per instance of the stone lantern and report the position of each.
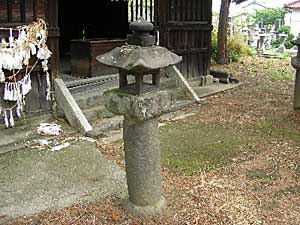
(138, 59)
(296, 65)
(141, 102)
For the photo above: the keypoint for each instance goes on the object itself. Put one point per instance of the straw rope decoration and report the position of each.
(14, 56)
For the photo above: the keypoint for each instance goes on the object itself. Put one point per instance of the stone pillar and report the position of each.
(142, 157)
(297, 91)
(142, 148)
(296, 65)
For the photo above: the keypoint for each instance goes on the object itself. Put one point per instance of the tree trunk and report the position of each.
(222, 33)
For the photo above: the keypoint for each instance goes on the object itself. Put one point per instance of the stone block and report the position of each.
(209, 80)
(71, 110)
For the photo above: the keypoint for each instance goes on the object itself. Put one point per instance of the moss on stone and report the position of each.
(117, 91)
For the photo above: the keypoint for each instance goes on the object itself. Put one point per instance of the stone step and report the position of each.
(86, 100)
(102, 127)
(97, 112)
(93, 84)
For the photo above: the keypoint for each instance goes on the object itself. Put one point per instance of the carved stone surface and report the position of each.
(138, 108)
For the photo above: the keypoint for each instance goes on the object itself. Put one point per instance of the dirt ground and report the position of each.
(248, 171)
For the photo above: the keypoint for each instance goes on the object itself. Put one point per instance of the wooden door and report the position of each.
(185, 28)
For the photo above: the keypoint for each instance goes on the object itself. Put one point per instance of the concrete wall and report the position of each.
(293, 20)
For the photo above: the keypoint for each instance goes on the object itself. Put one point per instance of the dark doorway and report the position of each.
(91, 19)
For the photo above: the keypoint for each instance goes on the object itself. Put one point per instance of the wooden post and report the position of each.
(53, 38)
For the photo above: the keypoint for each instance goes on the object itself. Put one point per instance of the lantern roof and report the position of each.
(136, 58)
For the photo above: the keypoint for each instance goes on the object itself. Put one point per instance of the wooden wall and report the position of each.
(185, 28)
(21, 11)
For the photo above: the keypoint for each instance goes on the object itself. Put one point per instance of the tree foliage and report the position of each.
(268, 16)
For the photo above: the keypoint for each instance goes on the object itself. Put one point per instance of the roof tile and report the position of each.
(293, 5)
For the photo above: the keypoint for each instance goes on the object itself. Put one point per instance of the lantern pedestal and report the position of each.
(142, 157)
(296, 65)
(142, 148)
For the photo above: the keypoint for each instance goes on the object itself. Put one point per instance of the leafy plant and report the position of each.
(276, 43)
(287, 30)
(284, 29)
(214, 44)
(236, 47)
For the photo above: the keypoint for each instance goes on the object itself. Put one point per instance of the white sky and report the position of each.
(268, 3)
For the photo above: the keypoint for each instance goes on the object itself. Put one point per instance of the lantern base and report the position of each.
(149, 210)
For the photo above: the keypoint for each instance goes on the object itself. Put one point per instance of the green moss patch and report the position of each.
(261, 174)
(279, 128)
(195, 147)
(292, 190)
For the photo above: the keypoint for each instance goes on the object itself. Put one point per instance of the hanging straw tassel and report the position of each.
(18, 112)
(11, 91)
(2, 76)
(11, 118)
(11, 38)
(48, 89)
(5, 119)
(5, 91)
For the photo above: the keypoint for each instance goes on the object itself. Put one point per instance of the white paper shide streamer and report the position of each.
(15, 55)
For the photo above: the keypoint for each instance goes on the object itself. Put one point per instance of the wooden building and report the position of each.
(184, 26)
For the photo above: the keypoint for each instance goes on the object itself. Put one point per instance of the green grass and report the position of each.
(261, 175)
(263, 185)
(270, 205)
(292, 190)
(195, 147)
(281, 76)
(278, 128)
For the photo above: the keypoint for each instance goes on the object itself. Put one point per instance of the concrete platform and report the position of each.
(33, 180)
(25, 130)
(208, 90)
